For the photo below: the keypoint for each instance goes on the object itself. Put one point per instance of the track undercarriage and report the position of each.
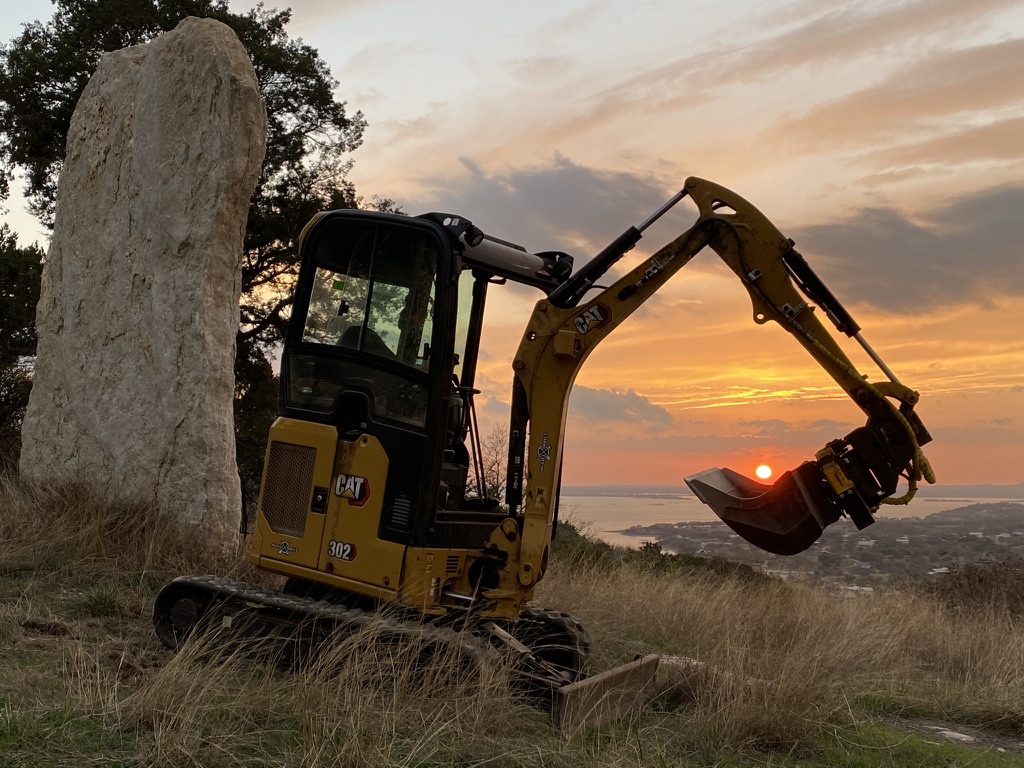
(544, 650)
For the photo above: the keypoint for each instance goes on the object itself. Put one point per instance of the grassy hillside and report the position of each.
(791, 676)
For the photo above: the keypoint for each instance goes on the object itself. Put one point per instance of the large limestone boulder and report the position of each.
(133, 386)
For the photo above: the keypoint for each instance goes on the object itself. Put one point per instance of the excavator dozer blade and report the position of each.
(606, 697)
(783, 518)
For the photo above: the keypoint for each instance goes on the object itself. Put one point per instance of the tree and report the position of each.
(310, 135)
(20, 270)
(255, 407)
(494, 462)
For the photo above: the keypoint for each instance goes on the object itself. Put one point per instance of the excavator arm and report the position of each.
(852, 475)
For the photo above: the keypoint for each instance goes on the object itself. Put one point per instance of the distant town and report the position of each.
(890, 550)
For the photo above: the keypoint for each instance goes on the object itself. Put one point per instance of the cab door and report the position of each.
(369, 352)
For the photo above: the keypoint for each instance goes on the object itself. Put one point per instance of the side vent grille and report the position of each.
(288, 485)
(401, 513)
(451, 564)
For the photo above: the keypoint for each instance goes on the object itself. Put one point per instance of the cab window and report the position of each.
(379, 300)
(372, 292)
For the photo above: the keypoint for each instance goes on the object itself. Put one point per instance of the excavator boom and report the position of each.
(851, 476)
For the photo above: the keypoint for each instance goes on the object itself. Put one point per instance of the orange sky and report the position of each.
(885, 138)
(710, 388)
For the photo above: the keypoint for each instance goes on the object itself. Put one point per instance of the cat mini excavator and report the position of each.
(372, 491)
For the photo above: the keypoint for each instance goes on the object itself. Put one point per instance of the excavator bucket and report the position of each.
(783, 518)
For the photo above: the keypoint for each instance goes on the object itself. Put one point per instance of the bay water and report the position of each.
(606, 516)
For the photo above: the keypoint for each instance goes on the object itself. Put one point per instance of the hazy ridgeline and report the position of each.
(791, 674)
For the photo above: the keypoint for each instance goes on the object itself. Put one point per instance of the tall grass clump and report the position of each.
(765, 664)
(363, 699)
(980, 586)
(75, 528)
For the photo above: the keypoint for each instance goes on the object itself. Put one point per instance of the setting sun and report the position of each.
(763, 471)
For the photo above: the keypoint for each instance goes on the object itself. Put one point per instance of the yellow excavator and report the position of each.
(373, 492)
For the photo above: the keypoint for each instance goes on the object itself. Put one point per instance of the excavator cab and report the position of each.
(370, 351)
(367, 399)
(370, 465)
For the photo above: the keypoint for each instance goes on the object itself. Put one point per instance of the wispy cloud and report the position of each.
(965, 251)
(921, 110)
(550, 205)
(596, 407)
(999, 140)
(530, 69)
(824, 36)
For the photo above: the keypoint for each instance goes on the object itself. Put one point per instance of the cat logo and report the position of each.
(354, 488)
(596, 316)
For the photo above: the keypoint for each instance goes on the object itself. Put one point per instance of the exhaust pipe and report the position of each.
(784, 518)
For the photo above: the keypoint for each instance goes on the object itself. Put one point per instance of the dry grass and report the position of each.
(981, 586)
(76, 590)
(53, 528)
(83, 678)
(355, 705)
(782, 659)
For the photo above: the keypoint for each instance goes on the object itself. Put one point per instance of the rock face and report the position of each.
(134, 378)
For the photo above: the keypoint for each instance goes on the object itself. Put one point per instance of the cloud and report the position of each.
(710, 443)
(928, 111)
(493, 408)
(830, 426)
(558, 204)
(997, 141)
(600, 406)
(989, 432)
(308, 16)
(824, 36)
(964, 252)
(492, 401)
(767, 427)
(843, 31)
(534, 67)
(792, 433)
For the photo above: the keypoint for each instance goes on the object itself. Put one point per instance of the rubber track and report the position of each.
(296, 613)
(227, 595)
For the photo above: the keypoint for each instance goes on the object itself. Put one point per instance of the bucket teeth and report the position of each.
(784, 518)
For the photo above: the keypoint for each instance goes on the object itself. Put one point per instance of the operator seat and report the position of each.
(369, 341)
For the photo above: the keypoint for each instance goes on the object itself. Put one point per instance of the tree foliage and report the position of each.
(310, 133)
(20, 269)
(43, 72)
(494, 463)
